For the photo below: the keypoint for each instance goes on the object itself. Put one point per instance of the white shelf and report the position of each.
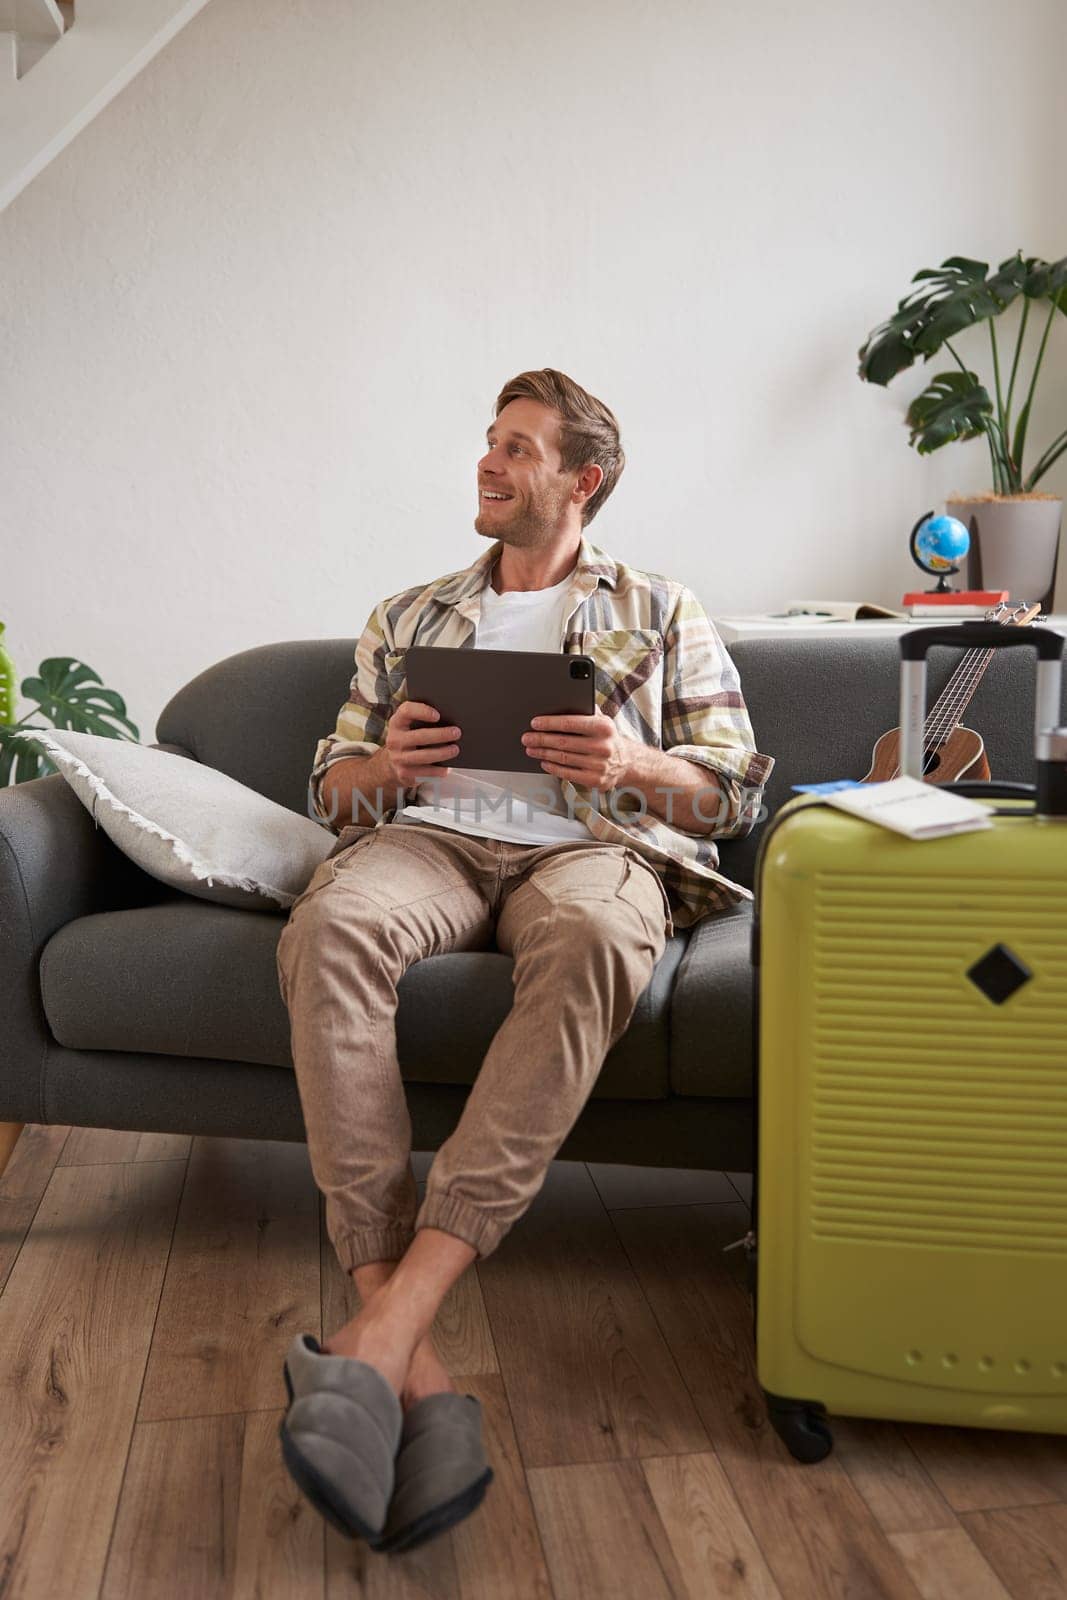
(731, 629)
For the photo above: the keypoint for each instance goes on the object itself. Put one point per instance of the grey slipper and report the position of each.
(340, 1436)
(441, 1470)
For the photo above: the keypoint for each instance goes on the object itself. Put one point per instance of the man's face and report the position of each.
(523, 492)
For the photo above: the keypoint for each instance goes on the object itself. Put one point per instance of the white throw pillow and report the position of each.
(189, 825)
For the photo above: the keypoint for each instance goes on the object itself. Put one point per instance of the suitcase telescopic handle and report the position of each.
(966, 636)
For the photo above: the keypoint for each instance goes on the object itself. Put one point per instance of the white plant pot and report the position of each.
(1014, 545)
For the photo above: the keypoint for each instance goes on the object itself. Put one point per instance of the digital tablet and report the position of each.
(493, 695)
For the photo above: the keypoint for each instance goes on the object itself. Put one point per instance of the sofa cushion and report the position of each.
(185, 978)
(711, 1014)
(190, 826)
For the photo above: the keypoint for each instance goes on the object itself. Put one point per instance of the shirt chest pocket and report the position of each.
(629, 676)
(396, 674)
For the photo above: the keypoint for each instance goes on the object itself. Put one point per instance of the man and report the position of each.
(582, 875)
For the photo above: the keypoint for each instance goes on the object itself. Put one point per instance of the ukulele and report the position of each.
(951, 751)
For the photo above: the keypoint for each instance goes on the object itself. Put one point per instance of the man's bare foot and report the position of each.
(412, 1379)
(427, 1375)
(364, 1339)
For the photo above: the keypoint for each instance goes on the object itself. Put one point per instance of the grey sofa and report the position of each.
(124, 1004)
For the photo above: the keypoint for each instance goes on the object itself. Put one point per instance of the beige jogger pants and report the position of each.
(585, 924)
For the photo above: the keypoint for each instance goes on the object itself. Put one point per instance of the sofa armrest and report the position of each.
(55, 865)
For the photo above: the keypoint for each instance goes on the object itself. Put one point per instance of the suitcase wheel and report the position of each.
(801, 1425)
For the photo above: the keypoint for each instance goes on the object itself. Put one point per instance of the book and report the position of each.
(909, 806)
(764, 626)
(948, 613)
(839, 611)
(953, 599)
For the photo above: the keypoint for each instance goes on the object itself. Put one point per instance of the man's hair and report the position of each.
(588, 431)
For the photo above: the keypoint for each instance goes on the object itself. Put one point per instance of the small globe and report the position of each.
(940, 544)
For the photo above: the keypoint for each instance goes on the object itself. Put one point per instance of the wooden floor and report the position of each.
(150, 1285)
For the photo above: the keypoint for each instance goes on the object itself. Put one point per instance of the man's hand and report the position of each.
(588, 750)
(591, 751)
(413, 750)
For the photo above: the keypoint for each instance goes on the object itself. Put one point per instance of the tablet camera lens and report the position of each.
(579, 669)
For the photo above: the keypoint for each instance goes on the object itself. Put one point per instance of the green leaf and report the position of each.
(8, 678)
(72, 696)
(1056, 287)
(950, 315)
(1014, 277)
(1044, 279)
(19, 759)
(953, 406)
(888, 350)
(961, 266)
(954, 296)
(1037, 282)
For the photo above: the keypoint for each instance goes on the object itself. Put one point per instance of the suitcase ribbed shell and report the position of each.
(913, 1120)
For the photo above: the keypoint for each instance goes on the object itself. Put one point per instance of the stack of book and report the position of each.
(953, 606)
(959, 605)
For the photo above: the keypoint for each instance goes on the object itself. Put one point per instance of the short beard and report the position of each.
(536, 526)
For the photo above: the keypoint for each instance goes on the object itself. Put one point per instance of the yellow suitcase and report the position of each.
(910, 1206)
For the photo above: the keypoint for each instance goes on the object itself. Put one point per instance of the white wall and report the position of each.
(258, 311)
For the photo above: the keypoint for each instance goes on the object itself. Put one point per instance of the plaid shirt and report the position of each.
(661, 671)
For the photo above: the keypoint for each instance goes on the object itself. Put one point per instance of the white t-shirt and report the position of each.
(524, 808)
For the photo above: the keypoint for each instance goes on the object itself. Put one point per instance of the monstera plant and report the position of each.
(956, 404)
(67, 692)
